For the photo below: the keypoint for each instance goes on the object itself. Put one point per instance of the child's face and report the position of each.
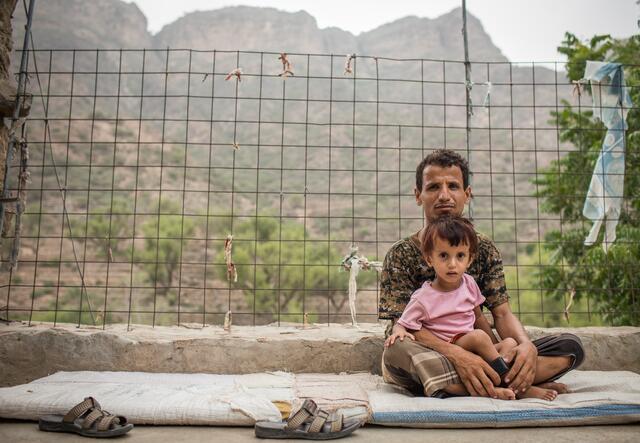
(449, 262)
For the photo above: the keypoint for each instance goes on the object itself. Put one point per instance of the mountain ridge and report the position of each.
(114, 24)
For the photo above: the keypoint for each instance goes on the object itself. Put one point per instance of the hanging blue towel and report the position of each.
(611, 102)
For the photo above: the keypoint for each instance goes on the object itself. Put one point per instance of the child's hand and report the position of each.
(399, 332)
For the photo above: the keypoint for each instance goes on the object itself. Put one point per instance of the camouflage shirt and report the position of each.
(405, 270)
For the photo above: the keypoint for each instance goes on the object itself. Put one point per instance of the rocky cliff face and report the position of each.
(81, 24)
(438, 38)
(252, 29)
(114, 24)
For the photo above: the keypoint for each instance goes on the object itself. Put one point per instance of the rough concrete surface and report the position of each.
(31, 352)
(18, 432)
(27, 353)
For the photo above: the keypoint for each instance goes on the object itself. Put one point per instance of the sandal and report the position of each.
(309, 423)
(87, 419)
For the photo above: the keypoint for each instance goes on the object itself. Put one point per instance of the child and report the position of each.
(449, 306)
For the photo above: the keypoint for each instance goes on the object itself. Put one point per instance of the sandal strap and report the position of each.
(106, 421)
(91, 418)
(318, 421)
(336, 421)
(308, 409)
(80, 408)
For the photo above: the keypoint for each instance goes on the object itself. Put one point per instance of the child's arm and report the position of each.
(483, 324)
(398, 332)
(409, 321)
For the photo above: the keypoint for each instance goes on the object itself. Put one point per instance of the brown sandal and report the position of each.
(86, 419)
(309, 423)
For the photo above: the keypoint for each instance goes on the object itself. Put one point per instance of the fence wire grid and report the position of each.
(143, 162)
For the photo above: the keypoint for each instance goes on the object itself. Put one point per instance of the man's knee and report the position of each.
(401, 350)
(575, 347)
(562, 345)
(397, 353)
(398, 368)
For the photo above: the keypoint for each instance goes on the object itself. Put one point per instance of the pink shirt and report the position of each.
(445, 314)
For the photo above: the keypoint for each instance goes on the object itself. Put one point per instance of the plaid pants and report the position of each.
(424, 371)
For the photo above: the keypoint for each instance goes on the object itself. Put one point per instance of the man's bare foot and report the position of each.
(560, 388)
(505, 394)
(537, 392)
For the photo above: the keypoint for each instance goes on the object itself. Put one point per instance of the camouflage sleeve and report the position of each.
(491, 279)
(396, 285)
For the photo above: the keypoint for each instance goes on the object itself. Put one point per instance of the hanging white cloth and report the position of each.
(611, 102)
(353, 288)
(354, 263)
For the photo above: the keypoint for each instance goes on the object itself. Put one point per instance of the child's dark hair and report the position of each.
(454, 229)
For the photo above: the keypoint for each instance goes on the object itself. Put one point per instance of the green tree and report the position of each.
(610, 280)
(527, 299)
(163, 246)
(279, 283)
(105, 229)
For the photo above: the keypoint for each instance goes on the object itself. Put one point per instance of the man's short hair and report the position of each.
(456, 230)
(443, 158)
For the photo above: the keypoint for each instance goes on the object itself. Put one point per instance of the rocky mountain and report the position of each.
(400, 103)
(78, 24)
(439, 38)
(133, 130)
(268, 29)
(114, 24)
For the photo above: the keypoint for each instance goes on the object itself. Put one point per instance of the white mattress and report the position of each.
(596, 398)
(147, 398)
(241, 400)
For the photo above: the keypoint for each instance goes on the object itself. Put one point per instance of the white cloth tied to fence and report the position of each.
(611, 102)
(353, 288)
(354, 263)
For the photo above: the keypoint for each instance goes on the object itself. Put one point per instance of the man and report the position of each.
(431, 366)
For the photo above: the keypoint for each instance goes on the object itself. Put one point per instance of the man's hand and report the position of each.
(523, 357)
(523, 370)
(476, 374)
(398, 332)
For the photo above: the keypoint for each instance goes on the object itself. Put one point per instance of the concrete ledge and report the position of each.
(28, 353)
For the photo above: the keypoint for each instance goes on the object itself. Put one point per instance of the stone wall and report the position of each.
(27, 353)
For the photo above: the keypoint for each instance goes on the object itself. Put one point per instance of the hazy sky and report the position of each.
(525, 30)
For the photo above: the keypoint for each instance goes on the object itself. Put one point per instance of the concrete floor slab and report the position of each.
(22, 432)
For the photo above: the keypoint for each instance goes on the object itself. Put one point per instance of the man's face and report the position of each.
(442, 192)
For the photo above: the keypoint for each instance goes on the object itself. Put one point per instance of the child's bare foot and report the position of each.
(560, 388)
(505, 394)
(537, 392)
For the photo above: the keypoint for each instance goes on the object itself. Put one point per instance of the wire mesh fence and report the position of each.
(143, 163)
